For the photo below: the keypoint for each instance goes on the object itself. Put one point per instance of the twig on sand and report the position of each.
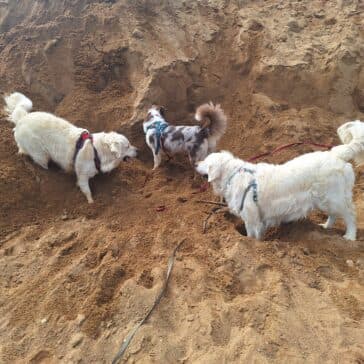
(212, 203)
(219, 206)
(205, 222)
(204, 225)
(147, 178)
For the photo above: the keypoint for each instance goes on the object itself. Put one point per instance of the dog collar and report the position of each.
(79, 144)
(240, 169)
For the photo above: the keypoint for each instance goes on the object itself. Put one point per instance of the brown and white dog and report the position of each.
(46, 137)
(197, 141)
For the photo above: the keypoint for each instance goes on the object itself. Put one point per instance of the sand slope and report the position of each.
(74, 278)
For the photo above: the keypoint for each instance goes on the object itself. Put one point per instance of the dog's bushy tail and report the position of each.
(351, 135)
(17, 106)
(212, 117)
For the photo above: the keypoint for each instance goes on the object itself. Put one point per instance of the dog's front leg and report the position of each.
(250, 232)
(82, 182)
(255, 229)
(157, 160)
(193, 164)
(259, 231)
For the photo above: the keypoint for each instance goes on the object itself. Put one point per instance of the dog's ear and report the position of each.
(115, 150)
(162, 111)
(214, 173)
(149, 117)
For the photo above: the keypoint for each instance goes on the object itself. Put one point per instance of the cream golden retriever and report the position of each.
(45, 137)
(265, 195)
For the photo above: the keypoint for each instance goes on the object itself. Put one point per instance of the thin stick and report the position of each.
(204, 225)
(285, 146)
(212, 203)
(147, 178)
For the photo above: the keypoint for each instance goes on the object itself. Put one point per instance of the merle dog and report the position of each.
(197, 141)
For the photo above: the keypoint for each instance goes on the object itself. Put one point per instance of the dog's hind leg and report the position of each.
(337, 200)
(82, 182)
(20, 150)
(41, 159)
(346, 210)
(193, 160)
(329, 222)
(350, 222)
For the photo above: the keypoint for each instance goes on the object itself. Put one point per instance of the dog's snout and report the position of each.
(133, 152)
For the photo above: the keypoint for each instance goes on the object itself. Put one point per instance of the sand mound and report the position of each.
(76, 278)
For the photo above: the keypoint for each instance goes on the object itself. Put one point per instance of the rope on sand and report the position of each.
(131, 334)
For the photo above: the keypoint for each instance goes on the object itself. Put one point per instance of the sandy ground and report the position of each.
(75, 278)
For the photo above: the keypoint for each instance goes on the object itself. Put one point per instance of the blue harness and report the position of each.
(252, 185)
(159, 127)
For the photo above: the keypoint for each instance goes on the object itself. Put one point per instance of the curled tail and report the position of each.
(351, 135)
(17, 106)
(212, 117)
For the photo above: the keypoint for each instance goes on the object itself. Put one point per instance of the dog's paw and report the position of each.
(324, 225)
(349, 237)
(90, 200)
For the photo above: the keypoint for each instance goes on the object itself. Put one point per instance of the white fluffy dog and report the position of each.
(265, 195)
(45, 137)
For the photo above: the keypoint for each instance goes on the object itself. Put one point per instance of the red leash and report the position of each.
(204, 186)
(285, 146)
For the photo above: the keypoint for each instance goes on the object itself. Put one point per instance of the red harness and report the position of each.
(79, 144)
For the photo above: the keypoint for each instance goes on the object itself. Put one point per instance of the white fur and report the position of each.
(45, 137)
(16, 106)
(288, 192)
(351, 134)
